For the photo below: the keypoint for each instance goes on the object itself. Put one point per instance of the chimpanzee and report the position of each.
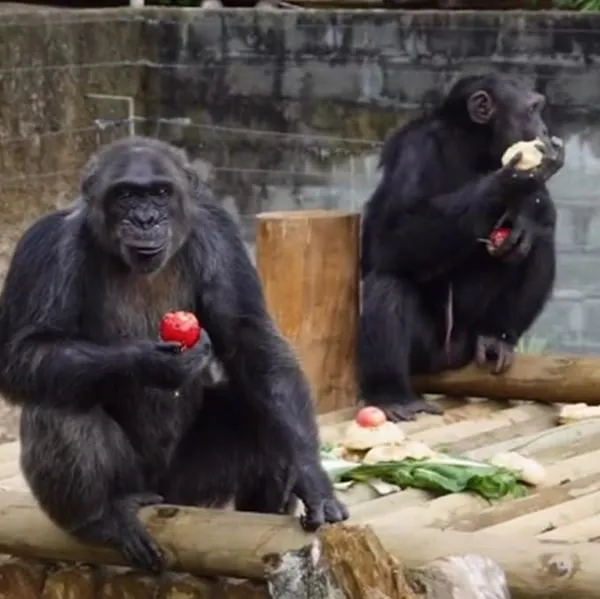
(436, 294)
(114, 419)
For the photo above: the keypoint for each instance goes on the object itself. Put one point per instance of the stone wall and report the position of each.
(287, 109)
(50, 65)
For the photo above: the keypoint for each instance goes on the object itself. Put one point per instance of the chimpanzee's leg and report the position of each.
(397, 337)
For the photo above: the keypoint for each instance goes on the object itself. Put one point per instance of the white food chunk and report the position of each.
(531, 154)
(578, 411)
(396, 452)
(526, 469)
(363, 438)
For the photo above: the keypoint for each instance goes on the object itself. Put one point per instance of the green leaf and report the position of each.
(441, 477)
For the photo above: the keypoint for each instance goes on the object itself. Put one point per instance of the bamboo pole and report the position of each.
(551, 379)
(308, 261)
(227, 543)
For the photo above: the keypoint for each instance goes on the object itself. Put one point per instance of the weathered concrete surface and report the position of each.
(49, 62)
(286, 109)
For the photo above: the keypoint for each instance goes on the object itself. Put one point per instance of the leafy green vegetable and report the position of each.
(441, 477)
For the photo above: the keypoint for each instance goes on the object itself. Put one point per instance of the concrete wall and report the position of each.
(287, 109)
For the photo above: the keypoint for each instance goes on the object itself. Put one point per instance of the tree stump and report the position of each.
(349, 562)
(308, 261)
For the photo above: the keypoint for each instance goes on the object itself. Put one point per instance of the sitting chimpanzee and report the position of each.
(113, 419)
(436, 294)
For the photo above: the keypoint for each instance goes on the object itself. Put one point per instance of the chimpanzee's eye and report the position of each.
(125, 194)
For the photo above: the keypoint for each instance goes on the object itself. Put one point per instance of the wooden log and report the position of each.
(308, 262)
(552, 378)
(462, 577)
(341, 562)
(28, 579)
(227, 543)
(21, 579)
(351, 562)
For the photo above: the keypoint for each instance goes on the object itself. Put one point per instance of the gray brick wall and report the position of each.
(302, 100)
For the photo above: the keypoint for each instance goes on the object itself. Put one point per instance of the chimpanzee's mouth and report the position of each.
(149, 251)
(145, 255)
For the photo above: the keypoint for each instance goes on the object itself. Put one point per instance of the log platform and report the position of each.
(546, 543)
(525, 536)
(565, 508)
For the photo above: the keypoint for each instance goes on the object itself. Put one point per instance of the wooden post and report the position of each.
(551, 379)
(308, 261)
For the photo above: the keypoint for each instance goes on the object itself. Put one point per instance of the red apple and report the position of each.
(370, 417)
(498, 236)
(181, 327)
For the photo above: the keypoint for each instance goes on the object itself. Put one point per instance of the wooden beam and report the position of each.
(308, 261)
(551, 378)
(227, 543)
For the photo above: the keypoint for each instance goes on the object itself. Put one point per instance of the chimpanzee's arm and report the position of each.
(260, 365)
(42, 360)
(528, 285)
(258, 361)
(419, 230)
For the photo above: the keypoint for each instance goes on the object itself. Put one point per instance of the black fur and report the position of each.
(424, 266)
(102, 430)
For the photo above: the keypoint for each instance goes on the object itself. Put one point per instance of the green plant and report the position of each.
(440, 476)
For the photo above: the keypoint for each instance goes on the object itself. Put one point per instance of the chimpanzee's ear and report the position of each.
(89, 178)
(191, 172)
(481, 107)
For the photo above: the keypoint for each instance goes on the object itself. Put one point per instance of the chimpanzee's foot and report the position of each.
(409, 408)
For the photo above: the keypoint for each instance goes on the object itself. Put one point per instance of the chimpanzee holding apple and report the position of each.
(438, 291)
(113, 417)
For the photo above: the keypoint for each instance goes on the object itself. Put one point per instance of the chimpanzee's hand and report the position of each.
(514, 183)
(159, 364)
(516, 247)
(494, 350)
(315, 490)
(554, 158)
(203, 366)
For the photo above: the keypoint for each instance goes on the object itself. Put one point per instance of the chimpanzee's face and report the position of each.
(518, 116)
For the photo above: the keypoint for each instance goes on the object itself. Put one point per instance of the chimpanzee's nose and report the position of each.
(147, 217)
